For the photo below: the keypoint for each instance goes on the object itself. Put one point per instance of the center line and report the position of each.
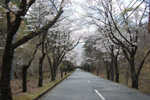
(89, 82)
(100, 95)
(83, 76)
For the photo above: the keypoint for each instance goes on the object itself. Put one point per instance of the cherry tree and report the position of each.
(89, 53)
(13, 24)
(109, 52)
(123, 29)
(75, 56)
(40, 14)
(35, 20)
(99, 47)
(59, 43)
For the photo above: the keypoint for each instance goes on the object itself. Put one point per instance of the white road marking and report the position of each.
(89, 82)
(83, 76)
(100, 95)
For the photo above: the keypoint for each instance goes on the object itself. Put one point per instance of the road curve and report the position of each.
(82, 85)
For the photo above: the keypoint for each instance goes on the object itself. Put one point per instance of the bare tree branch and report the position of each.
(133, 11)
(54, 5)
(142, 62)
(38, 31)
(7, 8)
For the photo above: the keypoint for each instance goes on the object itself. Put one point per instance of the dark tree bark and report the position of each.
(116, 66)
(53, 76)
(15, 74)
(24, 78)
(12, 28)
(5, 88)
(133, 72)
(97, 72)
(108, 69)
(41, 59)
(40, 83)
(65, 72)
(25, 68)
(51, 68)
(53, 73)
(131, 59)
(117, 72)
(112, 63)
(61, 72)
(108, 72)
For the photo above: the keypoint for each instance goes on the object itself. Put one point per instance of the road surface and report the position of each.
(82, 85)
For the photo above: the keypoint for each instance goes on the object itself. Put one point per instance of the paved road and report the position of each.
(82, 85)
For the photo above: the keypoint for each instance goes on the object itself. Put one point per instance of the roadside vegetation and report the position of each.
(35, 38)
(43, 40)
(34, 91)
(119, 49)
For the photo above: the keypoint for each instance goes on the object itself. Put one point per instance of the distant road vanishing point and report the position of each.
(82, 85)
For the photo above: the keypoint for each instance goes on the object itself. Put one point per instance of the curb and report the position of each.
(39, 96)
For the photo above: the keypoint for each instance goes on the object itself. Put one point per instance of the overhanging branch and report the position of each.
(38, 31)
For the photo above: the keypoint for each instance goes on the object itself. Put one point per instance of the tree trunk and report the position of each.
(25, 68)
(133, 73)
(24, 78)
(108, 72)
(117, 73)
(88, 68)
(5, 87)
(65, 72)
(135, 82)
(51, 68)
(112, 63)
(97, 72)
(52, 76)
(15, 74)
(55, 69)
(61, 72)
(40, 83)
(53, 73)
(112, 73)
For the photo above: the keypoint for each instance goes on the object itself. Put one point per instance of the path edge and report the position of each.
(39, 96)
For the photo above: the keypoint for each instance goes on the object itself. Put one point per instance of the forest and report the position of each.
(43, 40)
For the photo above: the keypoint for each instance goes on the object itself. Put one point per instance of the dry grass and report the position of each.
(32, 87)
(144, 80)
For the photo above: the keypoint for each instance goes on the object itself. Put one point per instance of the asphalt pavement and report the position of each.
(81, 85)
